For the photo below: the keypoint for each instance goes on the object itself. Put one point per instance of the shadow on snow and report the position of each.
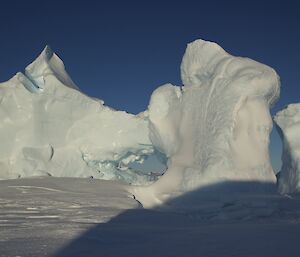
(227, 219)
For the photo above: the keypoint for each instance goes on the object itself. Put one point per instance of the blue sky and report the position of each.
(120, 51)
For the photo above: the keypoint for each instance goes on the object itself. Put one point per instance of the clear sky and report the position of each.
(120, 51)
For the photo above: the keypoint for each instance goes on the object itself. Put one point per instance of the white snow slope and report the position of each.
(47, 126)
(288, 121)
(215, 129)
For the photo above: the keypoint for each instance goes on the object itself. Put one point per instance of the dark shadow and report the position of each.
(238, 219)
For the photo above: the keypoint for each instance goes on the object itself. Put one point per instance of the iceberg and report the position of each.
(212, 130)
(288, 125)
(215, 128)
(49, 127)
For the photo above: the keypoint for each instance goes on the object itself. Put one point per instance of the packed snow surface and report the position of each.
(48, 127)
(288, 121)
(215, 129)
(81, 217)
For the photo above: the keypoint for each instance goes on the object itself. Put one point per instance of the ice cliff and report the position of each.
(47, 126)
(288, 125)
(214, 129)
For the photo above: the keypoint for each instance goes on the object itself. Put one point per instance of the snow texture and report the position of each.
(215, 129)
(80, 217)
(288, 125)
(48, 127)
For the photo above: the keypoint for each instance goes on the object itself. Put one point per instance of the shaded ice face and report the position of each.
(288, 124)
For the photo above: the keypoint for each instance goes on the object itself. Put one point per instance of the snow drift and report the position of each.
(215, 129)
(288, 124)
(47, 126)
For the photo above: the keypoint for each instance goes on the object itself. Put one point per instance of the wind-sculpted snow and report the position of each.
(288, 121)
(214, 129)
(47, 126)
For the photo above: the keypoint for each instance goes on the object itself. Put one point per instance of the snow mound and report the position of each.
(288, 125)
(47, 126)
(215, 129)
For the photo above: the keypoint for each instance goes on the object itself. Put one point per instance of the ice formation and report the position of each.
(215, 129)
(288, 124)
(47, 126)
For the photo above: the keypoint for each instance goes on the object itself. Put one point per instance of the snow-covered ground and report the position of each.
(41, 215)
(88, 217)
